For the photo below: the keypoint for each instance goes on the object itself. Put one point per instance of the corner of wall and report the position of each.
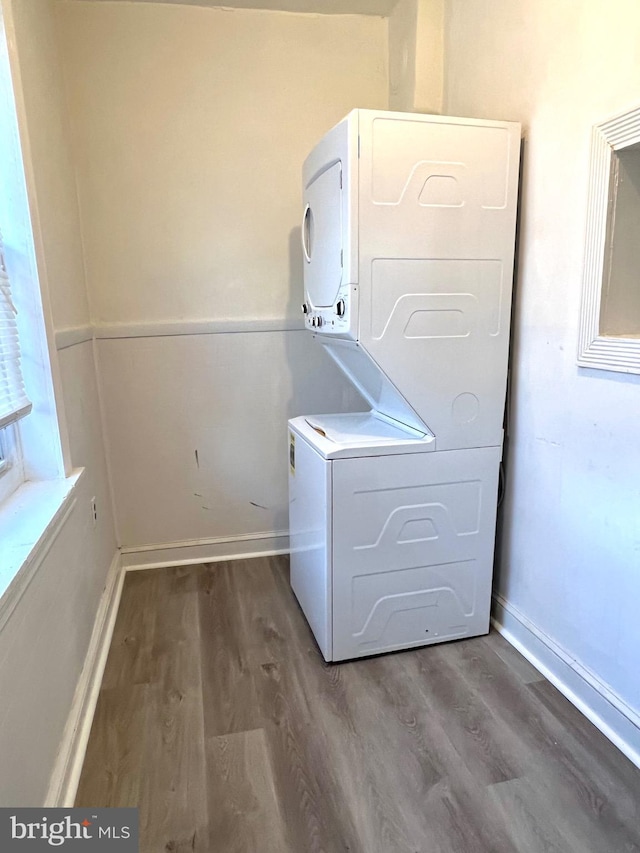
(429, 70)
(402, 54)
(416, 61)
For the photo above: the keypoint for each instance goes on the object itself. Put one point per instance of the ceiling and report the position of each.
(326, 7)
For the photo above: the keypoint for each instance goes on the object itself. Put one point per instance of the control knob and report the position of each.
(340, 308)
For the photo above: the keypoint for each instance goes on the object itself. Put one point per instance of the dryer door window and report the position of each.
(322, 237)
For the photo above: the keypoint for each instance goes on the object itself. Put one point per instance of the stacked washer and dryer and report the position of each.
(408, 238)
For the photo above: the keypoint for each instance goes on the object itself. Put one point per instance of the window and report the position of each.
(610, 318)
(14, 403)
(11, 467)
(620, 303)
(4, 455)
(32, 448)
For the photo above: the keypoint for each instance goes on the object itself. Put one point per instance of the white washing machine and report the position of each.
(391, 540)
(408, 238)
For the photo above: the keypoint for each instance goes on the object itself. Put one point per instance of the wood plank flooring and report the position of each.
(219, 719)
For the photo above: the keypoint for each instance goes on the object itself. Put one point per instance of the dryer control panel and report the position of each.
(335, 319)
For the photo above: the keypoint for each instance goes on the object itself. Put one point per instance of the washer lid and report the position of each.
(322, 237)
(359, 434)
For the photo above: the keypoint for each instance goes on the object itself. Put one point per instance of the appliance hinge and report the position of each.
(341, 257)
(340, 178)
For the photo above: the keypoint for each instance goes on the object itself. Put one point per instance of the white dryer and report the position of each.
(408, 239)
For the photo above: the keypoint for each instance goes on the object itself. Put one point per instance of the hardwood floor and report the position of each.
(219, 719)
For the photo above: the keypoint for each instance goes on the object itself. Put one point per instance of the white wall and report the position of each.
(189, 127)
(570, 551)
(200, 445)
(44, 642)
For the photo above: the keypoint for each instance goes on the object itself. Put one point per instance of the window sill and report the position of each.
(29, 521)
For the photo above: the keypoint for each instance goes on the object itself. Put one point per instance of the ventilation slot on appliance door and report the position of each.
(307, 233)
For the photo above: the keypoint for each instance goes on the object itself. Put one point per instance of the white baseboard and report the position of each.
(63, 784)
(195, 551)
(596, 700)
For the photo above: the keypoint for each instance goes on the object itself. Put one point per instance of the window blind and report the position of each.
(14, 403)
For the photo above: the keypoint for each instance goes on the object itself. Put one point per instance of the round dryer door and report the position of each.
(322, 237)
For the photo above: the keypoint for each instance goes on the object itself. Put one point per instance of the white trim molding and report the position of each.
(63, 784)
(73, 335)
(596, 700)
(595, 350)
(173, 328)
(193, 551)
